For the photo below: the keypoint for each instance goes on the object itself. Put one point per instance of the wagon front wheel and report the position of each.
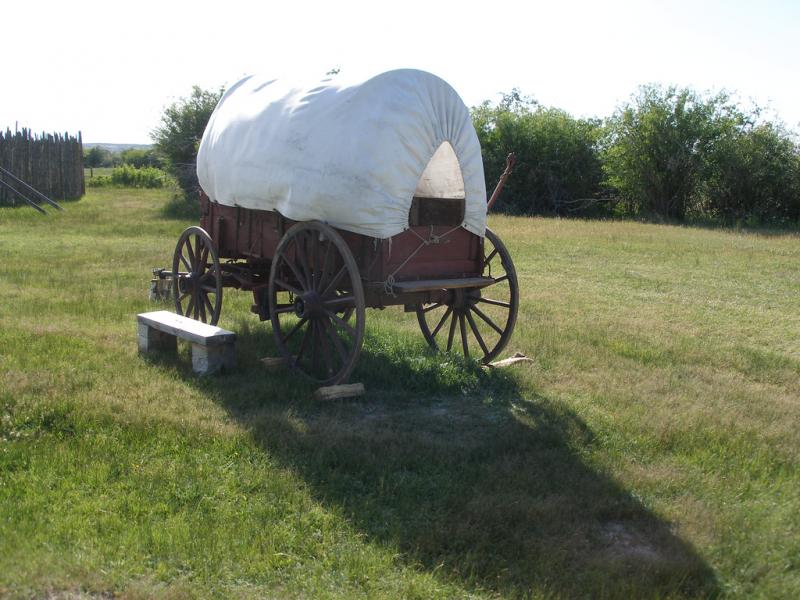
(197, 279)
(317, 303)
(477, 322)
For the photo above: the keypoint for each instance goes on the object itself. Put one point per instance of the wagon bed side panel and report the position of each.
(451, 252)
(241, 233)
(457, 254)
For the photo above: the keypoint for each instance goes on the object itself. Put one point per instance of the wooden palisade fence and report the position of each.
(51, 163)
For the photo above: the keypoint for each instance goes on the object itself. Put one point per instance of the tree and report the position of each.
(140, 157)
(558, 169)
(94, 157)
(754, 175)
(658, 147)
(178, 136)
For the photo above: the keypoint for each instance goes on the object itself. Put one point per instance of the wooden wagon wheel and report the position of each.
(484, 318)
(197, 279)
(317, 303)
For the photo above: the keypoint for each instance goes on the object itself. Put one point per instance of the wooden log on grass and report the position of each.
(516, 359)
(274, 363)
(337, 392)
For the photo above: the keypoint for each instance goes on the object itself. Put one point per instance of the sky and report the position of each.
(108, 69)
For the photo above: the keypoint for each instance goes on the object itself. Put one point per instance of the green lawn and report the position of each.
(651, 449)
(97, 172)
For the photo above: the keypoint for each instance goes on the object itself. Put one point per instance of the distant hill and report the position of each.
(117, 147)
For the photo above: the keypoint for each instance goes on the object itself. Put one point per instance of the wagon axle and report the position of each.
(309, 306)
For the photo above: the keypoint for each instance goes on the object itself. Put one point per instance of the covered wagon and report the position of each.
(329, 199)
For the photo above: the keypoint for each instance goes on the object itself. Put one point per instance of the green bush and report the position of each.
(128, 176)
(558, 169)
(98, 181)
(676, 154)
(656, 148)
(141, 157)
(754, 177)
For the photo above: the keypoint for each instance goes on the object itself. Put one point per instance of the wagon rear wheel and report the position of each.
(197, 279)
(477, 322)
(317, 303)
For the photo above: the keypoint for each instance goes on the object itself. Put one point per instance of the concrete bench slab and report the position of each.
(212, 347)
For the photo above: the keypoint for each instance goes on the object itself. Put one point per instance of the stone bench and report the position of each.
(212, 347)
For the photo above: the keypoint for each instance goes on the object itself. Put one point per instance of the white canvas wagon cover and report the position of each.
(351, 155)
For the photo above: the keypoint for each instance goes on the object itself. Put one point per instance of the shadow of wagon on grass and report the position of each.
(469, 477)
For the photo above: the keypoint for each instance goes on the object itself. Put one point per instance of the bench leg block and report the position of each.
(153, 339)
(210, 359)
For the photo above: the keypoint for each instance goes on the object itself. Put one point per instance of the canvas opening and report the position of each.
(439, 196)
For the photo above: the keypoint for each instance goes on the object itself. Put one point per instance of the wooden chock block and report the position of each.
(274, 363)
(335, 392)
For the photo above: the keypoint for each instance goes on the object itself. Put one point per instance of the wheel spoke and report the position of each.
(340, 302)
(300, 278)
(336, 341)
(204, 255)
(302, 256)
(288, 287)
(489, 258)
(452, 331)
(211, 289)
(193, 253)
(324, 347)
(341, 322)
(186, 263)
(304, 343)
(208, 304)
(190, 306)
(294, 329)
(324, 275)
(182, 296)
(463, 325)
(495, 302)
(499, 279)
(334, 282)
(187, 253)
(432, 307)
(313, 257)
(488, 321)
(476, 333)
(441, 321)
(202, 307)
(314, 347)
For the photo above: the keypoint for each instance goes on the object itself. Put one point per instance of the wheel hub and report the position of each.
(463, 299)
(309, 305)
(184, 283)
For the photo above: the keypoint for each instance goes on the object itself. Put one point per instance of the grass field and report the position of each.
(651, 449)
(97, 172)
